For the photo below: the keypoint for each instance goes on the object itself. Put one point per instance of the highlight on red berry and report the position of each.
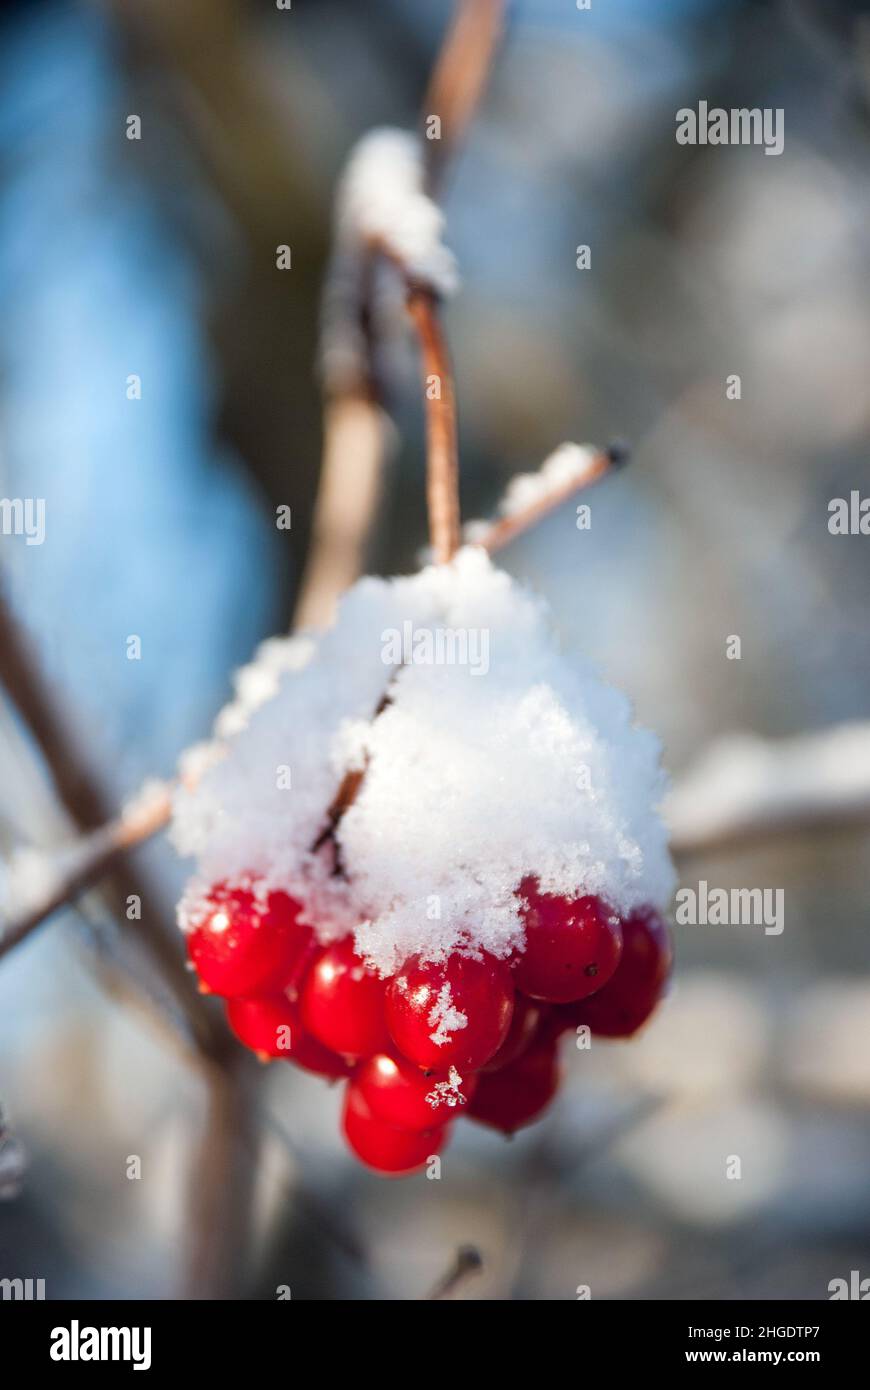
(454, 1013)
(342, 1002)
(400, 1094)
(241, 945)
(387, 1148)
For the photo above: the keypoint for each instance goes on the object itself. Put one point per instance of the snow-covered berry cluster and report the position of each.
(494, 879)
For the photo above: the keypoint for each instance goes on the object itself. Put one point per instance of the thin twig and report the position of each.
(505, 529)
(468, 1261)
(74, 869)
(442, 459)
(460, 77)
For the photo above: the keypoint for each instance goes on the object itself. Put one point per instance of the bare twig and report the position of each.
(355, 434)
(504, 529)
(442, 462)
(13, 1162)
(61, 876)
(460, 77)
(468, 1261)
(223, 1169)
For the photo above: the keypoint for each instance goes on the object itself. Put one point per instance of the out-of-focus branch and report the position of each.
(531, 497)
(468, 1261)
(38, 882)
(82, 797)
(745, 788)
(355, 441)
(460, 77)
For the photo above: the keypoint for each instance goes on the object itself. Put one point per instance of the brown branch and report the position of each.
(506, 528)
(83, 798)
(355, 434)
(460, 77)
(222, 1178)
(468, 1261)
(442, 459)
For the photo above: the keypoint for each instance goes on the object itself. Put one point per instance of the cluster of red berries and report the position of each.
(471, 1034)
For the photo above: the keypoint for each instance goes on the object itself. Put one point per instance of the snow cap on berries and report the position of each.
(496, 758)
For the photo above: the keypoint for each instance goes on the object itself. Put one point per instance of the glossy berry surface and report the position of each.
(384, 1147)
(243, 946)
(626, 1002)
(453, 1014)
(271, 1027)
(398, 1093)
(342, 1002)
(524, 1025)
(517, 1094)
(572, 946)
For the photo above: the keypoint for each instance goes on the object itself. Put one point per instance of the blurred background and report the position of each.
(156, 258)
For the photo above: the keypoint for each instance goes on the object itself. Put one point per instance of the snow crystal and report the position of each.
(447, 1092)
(566, 465)
(473, 778)
(381, 200)
(444, 1017)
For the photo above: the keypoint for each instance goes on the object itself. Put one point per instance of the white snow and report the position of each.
(381, 200)
(565, 468)
(473, 779)
(444, 1017)
(447, 1092)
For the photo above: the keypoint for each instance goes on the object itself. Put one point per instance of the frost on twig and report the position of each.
(34, 882)
(530, 496)
(382, 209)
(745, 786)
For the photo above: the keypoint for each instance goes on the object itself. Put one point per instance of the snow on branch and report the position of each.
(744, 787)
(382, 203)
(36, 882)
(530, 496)
(13, 1162)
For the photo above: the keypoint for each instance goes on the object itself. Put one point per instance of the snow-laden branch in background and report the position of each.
(744, 787)
(382, 202)
(530, 496)
(36, 882)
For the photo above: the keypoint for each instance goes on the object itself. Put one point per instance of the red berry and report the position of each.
(456, 1014)
(524, 1025)
(342, 1002)
(399, 1093)
(270, 1026)
(516, 1095)
(244, 946)
(627, 1001)
(384, 1147)
(572, 945)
